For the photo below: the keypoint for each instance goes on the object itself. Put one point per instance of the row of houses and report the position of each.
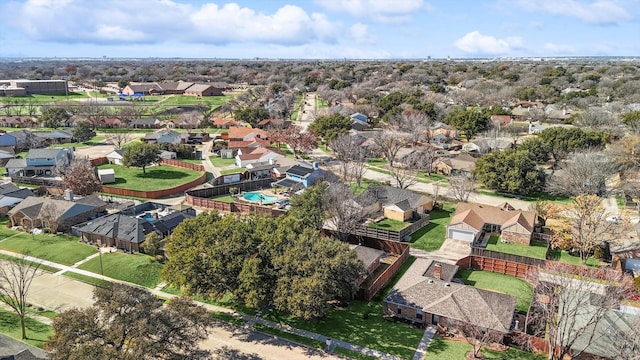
(177, 88)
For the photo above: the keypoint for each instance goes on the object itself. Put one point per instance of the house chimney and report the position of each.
(437, 271)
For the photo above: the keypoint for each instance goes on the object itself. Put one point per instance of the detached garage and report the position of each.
(460, 234)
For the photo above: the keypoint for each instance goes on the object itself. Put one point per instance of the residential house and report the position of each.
(40, 162)
(252, 155)
(168, 155)
(301, 175)
(11, 349)
(174, 87)
(470, 222)
(11, 195)
(55, 137)
(17, 121)
(485, 145)
(224, 123)
(246, 134)
(6, 155)
(38, 212)
(20, 140)
(431, 298)
(165, 136)
(500, 121)
(113, 122)
(203, 90)
(442, 129)
(462, 164)
(128, 232)
(273, 124)
(115, 157)
(142, 88)
(536, 128)
(359, 122)
(197, 137)
(394, 203)
(146, 123)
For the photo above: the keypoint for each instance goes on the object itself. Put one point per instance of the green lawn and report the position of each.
(501, 283)
(136, 268)
(217, 161)
(447, 349)
(61, 249)
(431, 237)
(86, 279)
(192, 161)
(156, 177)
(232, 171)
(565, 257)
(37, 332)
(44, 99)
(224, 198)
(389, 224)
(444, 180)
(213, 101)
(364, 184)
(296, 108)
(285, 149)
(94, 141)
(379, 162)
(321, 103)
(537, 250)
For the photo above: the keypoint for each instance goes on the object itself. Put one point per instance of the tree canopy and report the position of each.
(331, 126)
(83, 131)
(140, 155)
(561, 140)
(471, 120)
(54, 117)
(252, 115)
(130, 323)
(80, 176)
(261, 260)
(510, 171)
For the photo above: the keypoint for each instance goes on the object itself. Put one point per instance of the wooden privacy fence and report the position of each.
(382, 279)
(182, 164)
(233, 207)
(156, 194)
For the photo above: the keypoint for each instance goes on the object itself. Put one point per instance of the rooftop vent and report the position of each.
(447, 285)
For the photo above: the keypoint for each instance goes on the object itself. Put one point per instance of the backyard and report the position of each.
(501, 283)
(96, 140)
(213, 101)
(537, 249)
(62, 249)
(389, 224)
(217, 161)
(447, 349)
(155, 178)
(232, 171)
(431, 237)
(364, 184)
(136, 268)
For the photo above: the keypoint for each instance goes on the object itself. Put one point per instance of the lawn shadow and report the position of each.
(162, 174)
(437, 345)
(463, 275)
(425, 229)
(439, 214)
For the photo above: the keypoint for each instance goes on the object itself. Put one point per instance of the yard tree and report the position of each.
(297, 139)
(130, 323)
(152, 244)
(344, 214)
(538, 150)
(83, 131)
(329, 127)
(569, 306)
(313, 271)
(80, 176)
(592, 225)
(469, 121)
(585, 172)
(309, 206)
(510, 171)
(140, 155)
(388, 144)
(461, 187)
(15, 280)
(351, 155)
(252, 115)
(625, 153)
(119, 139)
(562, 141)
(54, 117)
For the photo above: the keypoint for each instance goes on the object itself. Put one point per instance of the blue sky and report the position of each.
(319, 28)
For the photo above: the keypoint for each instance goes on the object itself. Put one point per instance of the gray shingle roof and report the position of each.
(16, 163)
(43, 153)
(447, 271)
(366, 254)
(117, 226)
(7, 188)
(21, 351)
(387, 195)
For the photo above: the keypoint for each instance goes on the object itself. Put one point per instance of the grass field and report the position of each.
(232, 171)
(213, 101)
(62, 249)
(565, 257)
(156, 177)
(37, 332)
(224, 198)
(217, 161)
(94, 141)
(389, 224)
(136, 268)
(447, 349)
(364, 184)
(501, 283)
(537, 250)
(431, 237)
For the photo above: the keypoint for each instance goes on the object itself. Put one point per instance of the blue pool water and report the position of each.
(256, 197)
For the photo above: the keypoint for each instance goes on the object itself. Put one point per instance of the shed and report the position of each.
(107, 176)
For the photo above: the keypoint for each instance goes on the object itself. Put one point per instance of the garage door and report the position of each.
(461, 235)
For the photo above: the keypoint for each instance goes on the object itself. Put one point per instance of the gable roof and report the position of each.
(238, 132)
(43, 153)
(459, 302)
(175, 85)
(224, 122)
(16, 164)
(32, 206)
(463, 162)
(162, 132)
(14, 349)
(367, 255)
(7, 188)
(145, 122)
(447, 271)
(197, 88)
(476, 216)
(119, 226)
(390, 196)
(299, 170)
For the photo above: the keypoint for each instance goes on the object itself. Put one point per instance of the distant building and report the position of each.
(24, 87)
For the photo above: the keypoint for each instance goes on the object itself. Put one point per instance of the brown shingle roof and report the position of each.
(478, 215)
(241, 132)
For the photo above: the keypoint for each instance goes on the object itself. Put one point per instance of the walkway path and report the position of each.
(421, 351)
(66, 303)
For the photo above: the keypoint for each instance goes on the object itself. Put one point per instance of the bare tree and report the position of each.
(94, 113)
(626, 337)
(343, 148)
(568, 306)
(344, 214)
(592, 225)
(625, 153)
(461, 187)
(389, 143)
(476, 335)
(119, 139)
(436, 192)
(358, 164)
(49, 217)
(15, 280)
(80, 176)
(404, 176)
(585, 172)
(416, 123)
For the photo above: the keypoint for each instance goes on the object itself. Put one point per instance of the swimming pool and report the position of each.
(258, 197)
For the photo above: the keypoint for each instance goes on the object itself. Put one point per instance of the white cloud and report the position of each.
(359, 32)
(157, 21)
(594, 12)
(378, 10)
(559, 48)
(476, 43)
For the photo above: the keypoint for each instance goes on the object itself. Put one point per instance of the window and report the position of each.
(419, 316)
(399, 311)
